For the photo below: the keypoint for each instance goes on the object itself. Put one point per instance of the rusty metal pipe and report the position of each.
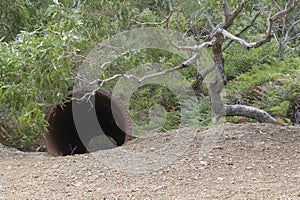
(70, 127)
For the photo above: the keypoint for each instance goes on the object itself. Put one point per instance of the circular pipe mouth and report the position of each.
(79, 127)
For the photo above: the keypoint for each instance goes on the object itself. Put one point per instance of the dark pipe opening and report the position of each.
(81, 127)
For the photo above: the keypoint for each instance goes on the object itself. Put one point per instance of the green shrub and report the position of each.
(272, 87)
(35, 69)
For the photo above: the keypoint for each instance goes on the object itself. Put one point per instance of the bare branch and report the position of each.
(157, 23)
(101, 82)
(269, 34)
(297, 35)
(279, 15)
(148, 23)
(239, 9)
(289, 30)
(233, 16)
(201, 76)
(243, 30)
(182, 65)
(212, 26)
(278, 6)
(209, 20)
(226, 10)
(237, 39)
(87, 97)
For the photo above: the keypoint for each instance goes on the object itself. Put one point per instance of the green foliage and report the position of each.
(17, 15)
(273, 87)
(148, 96)
(239, 60)
(34, 73)
(103, 18)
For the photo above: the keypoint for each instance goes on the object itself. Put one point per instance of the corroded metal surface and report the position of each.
(63, 136)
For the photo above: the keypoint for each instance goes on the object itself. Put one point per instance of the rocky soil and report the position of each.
(245, 161)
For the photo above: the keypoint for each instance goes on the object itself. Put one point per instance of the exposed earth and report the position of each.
(247, 161)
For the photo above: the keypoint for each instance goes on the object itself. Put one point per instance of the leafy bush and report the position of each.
(274, 88)
(239, 60)
(34, 73)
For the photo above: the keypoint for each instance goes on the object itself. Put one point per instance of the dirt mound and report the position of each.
(245, 161)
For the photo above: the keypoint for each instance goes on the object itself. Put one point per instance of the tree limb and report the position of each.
(226, 11)
(289, 30)
(241, 41)
(212, 26)
(182, 65)
(297, 35)
(200, 78)
(242, 31)
(157, 23)
(233, 16)
(279, 15)
(251, 112)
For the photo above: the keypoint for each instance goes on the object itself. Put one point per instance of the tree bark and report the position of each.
(216, 86)
(249, 111)
(281, 48)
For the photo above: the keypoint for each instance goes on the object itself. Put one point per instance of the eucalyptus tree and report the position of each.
(216, 25)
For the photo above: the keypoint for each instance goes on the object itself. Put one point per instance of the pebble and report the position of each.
(204, 163)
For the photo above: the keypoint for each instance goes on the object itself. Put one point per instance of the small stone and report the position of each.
(203, 163)
(249, 168)
(230, 163)
(220, 179)
(77, 184)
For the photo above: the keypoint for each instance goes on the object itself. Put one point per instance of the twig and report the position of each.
(157, 23)
(289, 30)
(297, 35)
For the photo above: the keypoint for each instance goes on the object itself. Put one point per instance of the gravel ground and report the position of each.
(244, 161)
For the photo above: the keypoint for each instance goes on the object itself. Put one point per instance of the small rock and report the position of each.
(203, 163)
(76, 184)
(229, 163)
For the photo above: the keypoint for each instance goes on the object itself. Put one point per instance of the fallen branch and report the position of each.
(251, 112)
